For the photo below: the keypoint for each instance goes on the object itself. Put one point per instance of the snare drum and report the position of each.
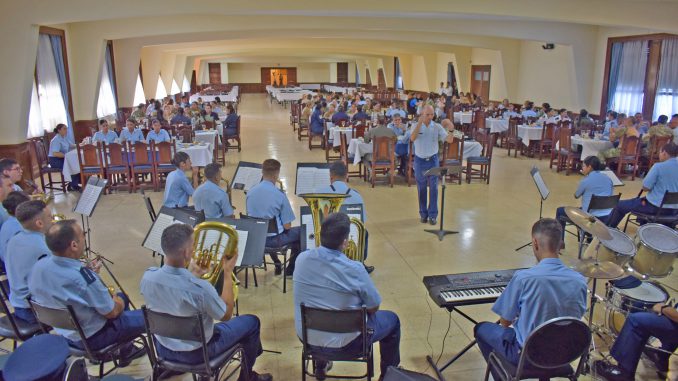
(657, 248)
(622, 302)
(620, 249)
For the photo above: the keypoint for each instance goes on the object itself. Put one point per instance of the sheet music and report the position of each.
(615, 180)
(89, 197)
(211, 237)
(248, 177)
(310, 178)
(307, 220)
(152, 242)
(539, 182)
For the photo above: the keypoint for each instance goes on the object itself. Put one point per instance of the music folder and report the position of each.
(246, 176)
(308, 239)
(311, 176)
(90, 196)
(166, 217)
(251, 239)
(615, 180)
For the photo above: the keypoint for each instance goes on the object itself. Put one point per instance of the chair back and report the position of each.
(478, 119)
(237, 126)
(140, 154)
(343, 148)
(603, 202)
(334, 321)
(209, 125)
(89, 155)
(383, 149)
(62, 318)
(165, 152)
(629, 146)
(186, 134)
(670, 198)
(548, 131)
(565, 123)
(453, 151)
(272, 222)
(40, 152)
(565, 138)
(4, 303)
(556, 343)
(656, 144)
(145, 132)
(513, 128)
(359, 130)
(116, 157)
(487, 140)
(341, 122)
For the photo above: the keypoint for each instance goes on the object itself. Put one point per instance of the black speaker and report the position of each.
(400, 374)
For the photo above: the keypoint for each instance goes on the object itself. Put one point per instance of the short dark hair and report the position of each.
(180, 111)
(549, 233)
(6, 164)
(583, 113)
(13, 200)
(663, 119)
(155, 120)
(594, 162)
(60, 235)
(130, 120)
(59, 127)
(102, 121)
(338, 169)
(270, 167)
(180, 157)
(211, 170)
(334, 230)
(174, 238)
(28, 210)
(671, 149)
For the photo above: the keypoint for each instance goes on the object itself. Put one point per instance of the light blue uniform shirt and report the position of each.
(131, 137)
(541, 293)
(160, 137)
(675, 135)
(426, 144)
(608, 125)
(662, 177)
(340, 187)
(23, 251)
(108, 138)
(213, 200)
(58, 281)
(325, 278)
(175, 291)
(4, 215)
(529, 114)
(177, 189)
(595, 183)
(59, 144)
(9, 229)
(264, 200)
(392, 111)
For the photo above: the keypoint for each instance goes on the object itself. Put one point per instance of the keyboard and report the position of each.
(464, 289)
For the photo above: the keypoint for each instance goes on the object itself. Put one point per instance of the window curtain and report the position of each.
(615, 62)
(628, 91)
(51, 102)
(106, 104)
(398, 75)
(35, 126)
(61, 72)
(357, 76)
(666, 102)
(139, 96)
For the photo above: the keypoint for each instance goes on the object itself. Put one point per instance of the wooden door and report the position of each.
(480, 81)
(215, 73)
(381, 79)
(342, 72)
(292, 76)
(266, 76)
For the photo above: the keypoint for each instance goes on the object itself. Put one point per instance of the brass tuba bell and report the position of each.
(215, 242)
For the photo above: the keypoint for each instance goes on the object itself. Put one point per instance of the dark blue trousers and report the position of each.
(58, 162)
(633, 205)
(494, 337)
(427, 186)
(291, 237)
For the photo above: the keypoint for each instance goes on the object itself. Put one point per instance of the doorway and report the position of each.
(480, 81)
(278, 77)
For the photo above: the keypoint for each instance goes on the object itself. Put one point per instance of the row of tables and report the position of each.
(231, 96)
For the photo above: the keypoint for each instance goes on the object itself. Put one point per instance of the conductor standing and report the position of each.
(426, 136)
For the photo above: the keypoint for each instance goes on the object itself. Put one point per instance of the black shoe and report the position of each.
(432, 221)
(611, 372)
(320, 369)
(424, 220)
(369, 269)
(130, 355)
(289, 271)
(278, 268)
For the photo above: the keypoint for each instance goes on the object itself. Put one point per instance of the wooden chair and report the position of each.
(554, 152)
(477, 122)
(484, 161)
(329, 145)
(43, 163)
(141, 166)
(116, 165)
(410, 165)
(348, 160)
(359, 130)
(453, 154)
(90, 158)
(209, 125)
(235, 137)
(383, 158)
(162, 160)
(302, 131)
(629, 153)
(512, 138)
(655, 146)
(12, 328)
(294, 115)
(567, 158)
(186, 134)
(547, 139)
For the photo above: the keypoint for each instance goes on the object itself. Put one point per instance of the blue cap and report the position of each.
(41, 357)
(626, 282)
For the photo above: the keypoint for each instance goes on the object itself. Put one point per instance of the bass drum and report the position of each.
(620, 249)
(622, 302)
(657, 249)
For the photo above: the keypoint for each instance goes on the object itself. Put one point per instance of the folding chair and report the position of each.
(10, 327)
(663, 215)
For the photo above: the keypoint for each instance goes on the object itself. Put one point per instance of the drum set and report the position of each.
(629, 265)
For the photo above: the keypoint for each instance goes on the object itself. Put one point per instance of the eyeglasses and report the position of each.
(17, 168)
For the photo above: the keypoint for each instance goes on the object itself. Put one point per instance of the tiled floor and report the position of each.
(492, 219)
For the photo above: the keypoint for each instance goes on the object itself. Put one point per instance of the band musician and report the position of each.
(209, 197)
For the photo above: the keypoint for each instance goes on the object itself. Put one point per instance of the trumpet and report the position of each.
(94, 265)
(215, 242)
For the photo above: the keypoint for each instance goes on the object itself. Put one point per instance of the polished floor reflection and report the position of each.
(492, 219)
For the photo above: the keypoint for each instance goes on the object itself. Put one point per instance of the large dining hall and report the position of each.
(295, 190)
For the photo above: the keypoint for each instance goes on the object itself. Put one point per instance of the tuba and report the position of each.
(214, 242)
(324, 204)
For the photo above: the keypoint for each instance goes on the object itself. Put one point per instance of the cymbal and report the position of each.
(591, 268)
(588, 223)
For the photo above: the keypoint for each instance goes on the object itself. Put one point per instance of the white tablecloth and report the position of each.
(496, 124)
(472, 149)
(529, 133)
(339, 89)
(231, 96)
(358, 149)
(208, 137)
(462, 117)
(200, 155)
(71, 165)
(336, 134)
(590, 147)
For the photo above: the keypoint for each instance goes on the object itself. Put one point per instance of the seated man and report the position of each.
(5, 190)
(326, 278)
(12, 170)
(180, 118)
(546, 291)
(157, 134)
(23, 252)
(317, 126)
(266, 201)
(61, 279)
(402, 147)
(529, 111)
(104, 135)
(659, 129)
(661, 323)
(610, 124)
(340, 115)
(662, 177)
(209, 197)
(12, 226)
(360, 115)
(130, 133)
(177, 187)
(174, 290)
(394, 109)
(338, 177)
(138, 114)
(210, 116)
(595, 183)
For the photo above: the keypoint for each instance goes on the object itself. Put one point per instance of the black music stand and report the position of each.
(543, 193)
(441, 172)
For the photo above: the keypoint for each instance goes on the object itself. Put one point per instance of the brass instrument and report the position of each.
(324, 204)
(89, 264)
(280, 185)
(215, 242)
(48, 198)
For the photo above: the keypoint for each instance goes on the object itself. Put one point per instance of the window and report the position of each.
(666, 102)
(139, 96)
(397, 74)
(160, 90)
(106, 100)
